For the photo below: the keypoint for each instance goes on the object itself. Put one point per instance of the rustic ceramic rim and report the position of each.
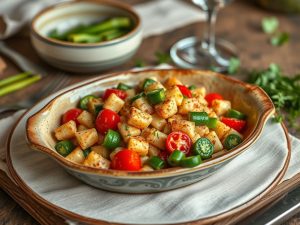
(68, 214)
(113, 3)
(267, 112)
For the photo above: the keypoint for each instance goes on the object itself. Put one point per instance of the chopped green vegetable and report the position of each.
(232, 113)
(85, 100)
(112, 139)
(64, 148)
(192, 87)
(156, 163)
(280, 39)
(147, 82)
(162, 57)
(142, 94)
(123, 87)
(269, 24)
(231, 141)
(200, 118)
(234, 65)
(212, 122)
(14, 78)
(191, 161)
(175, 158)
(156, 96)
(86, 152)
(203, 147)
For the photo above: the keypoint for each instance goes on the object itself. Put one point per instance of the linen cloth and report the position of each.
(157, 16)
(182, 200)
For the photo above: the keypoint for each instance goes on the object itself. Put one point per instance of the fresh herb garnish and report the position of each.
(279, 39)
(234, 65)
(162, 57)
(139, 63)
(283, 90)
(269, 24)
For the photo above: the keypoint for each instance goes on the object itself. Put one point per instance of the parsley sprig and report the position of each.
(283, 90)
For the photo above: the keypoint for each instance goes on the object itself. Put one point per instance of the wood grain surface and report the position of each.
(239, 23)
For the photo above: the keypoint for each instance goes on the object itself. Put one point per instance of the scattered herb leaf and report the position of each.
(283, 90)
(280, 39)
(162, 57)
(140, 63)
(269, 24)
(234, 65)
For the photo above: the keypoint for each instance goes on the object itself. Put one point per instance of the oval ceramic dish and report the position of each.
(76, 57)
(244, 97)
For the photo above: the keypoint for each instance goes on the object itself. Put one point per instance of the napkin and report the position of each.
(157, 16)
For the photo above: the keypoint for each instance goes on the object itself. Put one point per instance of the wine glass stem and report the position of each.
(210, 30)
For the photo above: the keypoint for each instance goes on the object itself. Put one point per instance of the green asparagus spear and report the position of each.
(14, 78)
(18, 85)
(93, 38)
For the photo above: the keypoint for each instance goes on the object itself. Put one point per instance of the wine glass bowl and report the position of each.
(206, 52)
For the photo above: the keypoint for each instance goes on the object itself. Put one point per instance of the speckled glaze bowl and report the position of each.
(84, 57)
(247, 98)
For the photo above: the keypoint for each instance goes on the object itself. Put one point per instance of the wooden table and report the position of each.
(238, 23)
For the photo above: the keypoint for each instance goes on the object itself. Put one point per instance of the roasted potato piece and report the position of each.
(221, 107)
(221, 129)
(95, 105)
(114, 103)
(166, 109)
(172, 81)
(86, 119)
(76, 156)
(138, 118)
(213, 137)
(87, 138)
(128, 131)
(101, 150)
(144, 105)
(139, 145)
(191, 105)
(174, 92)
(158, 122)
(156, 138)
(184, 126)
(66, 131)
(97, 161)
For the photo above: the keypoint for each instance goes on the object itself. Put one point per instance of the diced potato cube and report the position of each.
(101, 150)
(158, 122)
(221, 106)
(94, 105)
(97, 161)
(232, 131)
(213, 137)
(174, 92)
(153, 151)
(143, 104)
(130, 93)
(125, 111)
(128, 131)
(195, 138)
(167, 128)
(191, 105)
(76, 156)
(139, 145)
(166, 109)
(202, 130)
(172, 81)
(144, 160)
(114, 103)
(154, 86)
(87, 138)
(81, 127)
(221, 129)
(212, 114)
(65, 131)
(176, 117)
(86, 119)
(156, 138)
(138, 118)
(199, 92)
(184, 126)
(114, 152)
(147, 168)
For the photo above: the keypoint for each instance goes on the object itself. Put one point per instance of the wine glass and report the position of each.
(208, 52)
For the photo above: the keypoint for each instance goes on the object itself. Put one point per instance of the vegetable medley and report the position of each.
(149, 127)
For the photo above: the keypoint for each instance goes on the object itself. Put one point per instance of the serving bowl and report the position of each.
(84, 57)
(244, 97)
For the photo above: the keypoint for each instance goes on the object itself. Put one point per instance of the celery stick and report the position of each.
(19, 85)
(84, 38)
(14, 78)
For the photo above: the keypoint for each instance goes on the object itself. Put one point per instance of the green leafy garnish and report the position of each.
(140, 63)
(269, 24)
(162, 57)
(234, 65)
(283, 90)
(280, 39)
